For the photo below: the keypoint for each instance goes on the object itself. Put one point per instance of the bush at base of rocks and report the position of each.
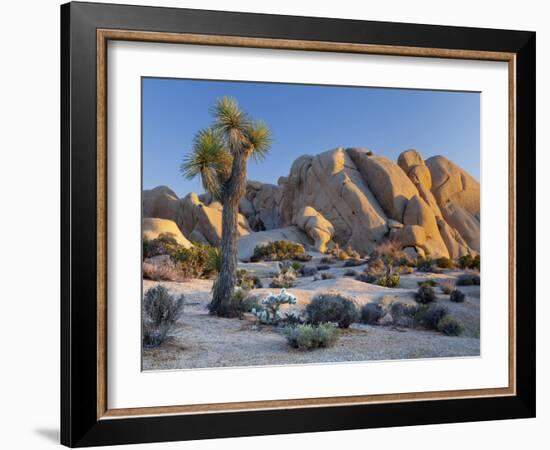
(199, 261)
(309, 337)
(445, 263)
(332, 307)
(425, 264)
(278, 251)
(469, 262)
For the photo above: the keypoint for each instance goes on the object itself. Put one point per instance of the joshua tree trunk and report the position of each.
(225, 284)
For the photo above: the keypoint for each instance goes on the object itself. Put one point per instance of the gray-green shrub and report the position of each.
(425, 294)
(371, 312)
(332, 307)
(457, 296)
(308, 337)
(468, 279)
(429, 316)
(160, 311)
(450, 326)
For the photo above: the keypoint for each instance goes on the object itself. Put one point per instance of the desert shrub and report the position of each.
(428, 282)
(450, 326)
(425, 264)
(296, 265)
(291, 319)
(342, 254)
(308, 271)
(352, 253)
(429, 316)
(351, 273)
(269, 313)
(199, 261)
(328, 260)
(389, 250)
(327, 276)
(469, 262)
(353, 262)
(445, 263)
(390, 281)
(405, 270)
(164, 244)
(247, 281)
(244, 303)
(457, 296)
(323, 267)
(400, 310)
(468, 279)
(277, 251)
(366, 278)
(371, 312)
(160, 311)
(145, 248)
(308, 337)
(284, 280)
(425, 294)
(160, 272)
(332, 307)
(447, 286)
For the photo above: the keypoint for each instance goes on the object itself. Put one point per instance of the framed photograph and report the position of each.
(276, 224)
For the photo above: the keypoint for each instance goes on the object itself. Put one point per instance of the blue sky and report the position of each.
(307, 119)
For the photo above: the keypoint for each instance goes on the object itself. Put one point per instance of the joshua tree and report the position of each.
(219, 157)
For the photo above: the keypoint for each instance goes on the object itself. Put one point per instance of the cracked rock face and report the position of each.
(318, 229)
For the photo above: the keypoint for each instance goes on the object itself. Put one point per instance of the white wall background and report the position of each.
(29, 226)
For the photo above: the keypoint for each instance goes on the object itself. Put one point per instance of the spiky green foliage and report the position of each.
(259, 140)
(231, 122)
(210, 160)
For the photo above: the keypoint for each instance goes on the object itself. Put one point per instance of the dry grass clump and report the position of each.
(161, 272)
(447, 286)
(284, 280)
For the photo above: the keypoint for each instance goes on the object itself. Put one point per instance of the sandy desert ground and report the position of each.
(201, 340)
